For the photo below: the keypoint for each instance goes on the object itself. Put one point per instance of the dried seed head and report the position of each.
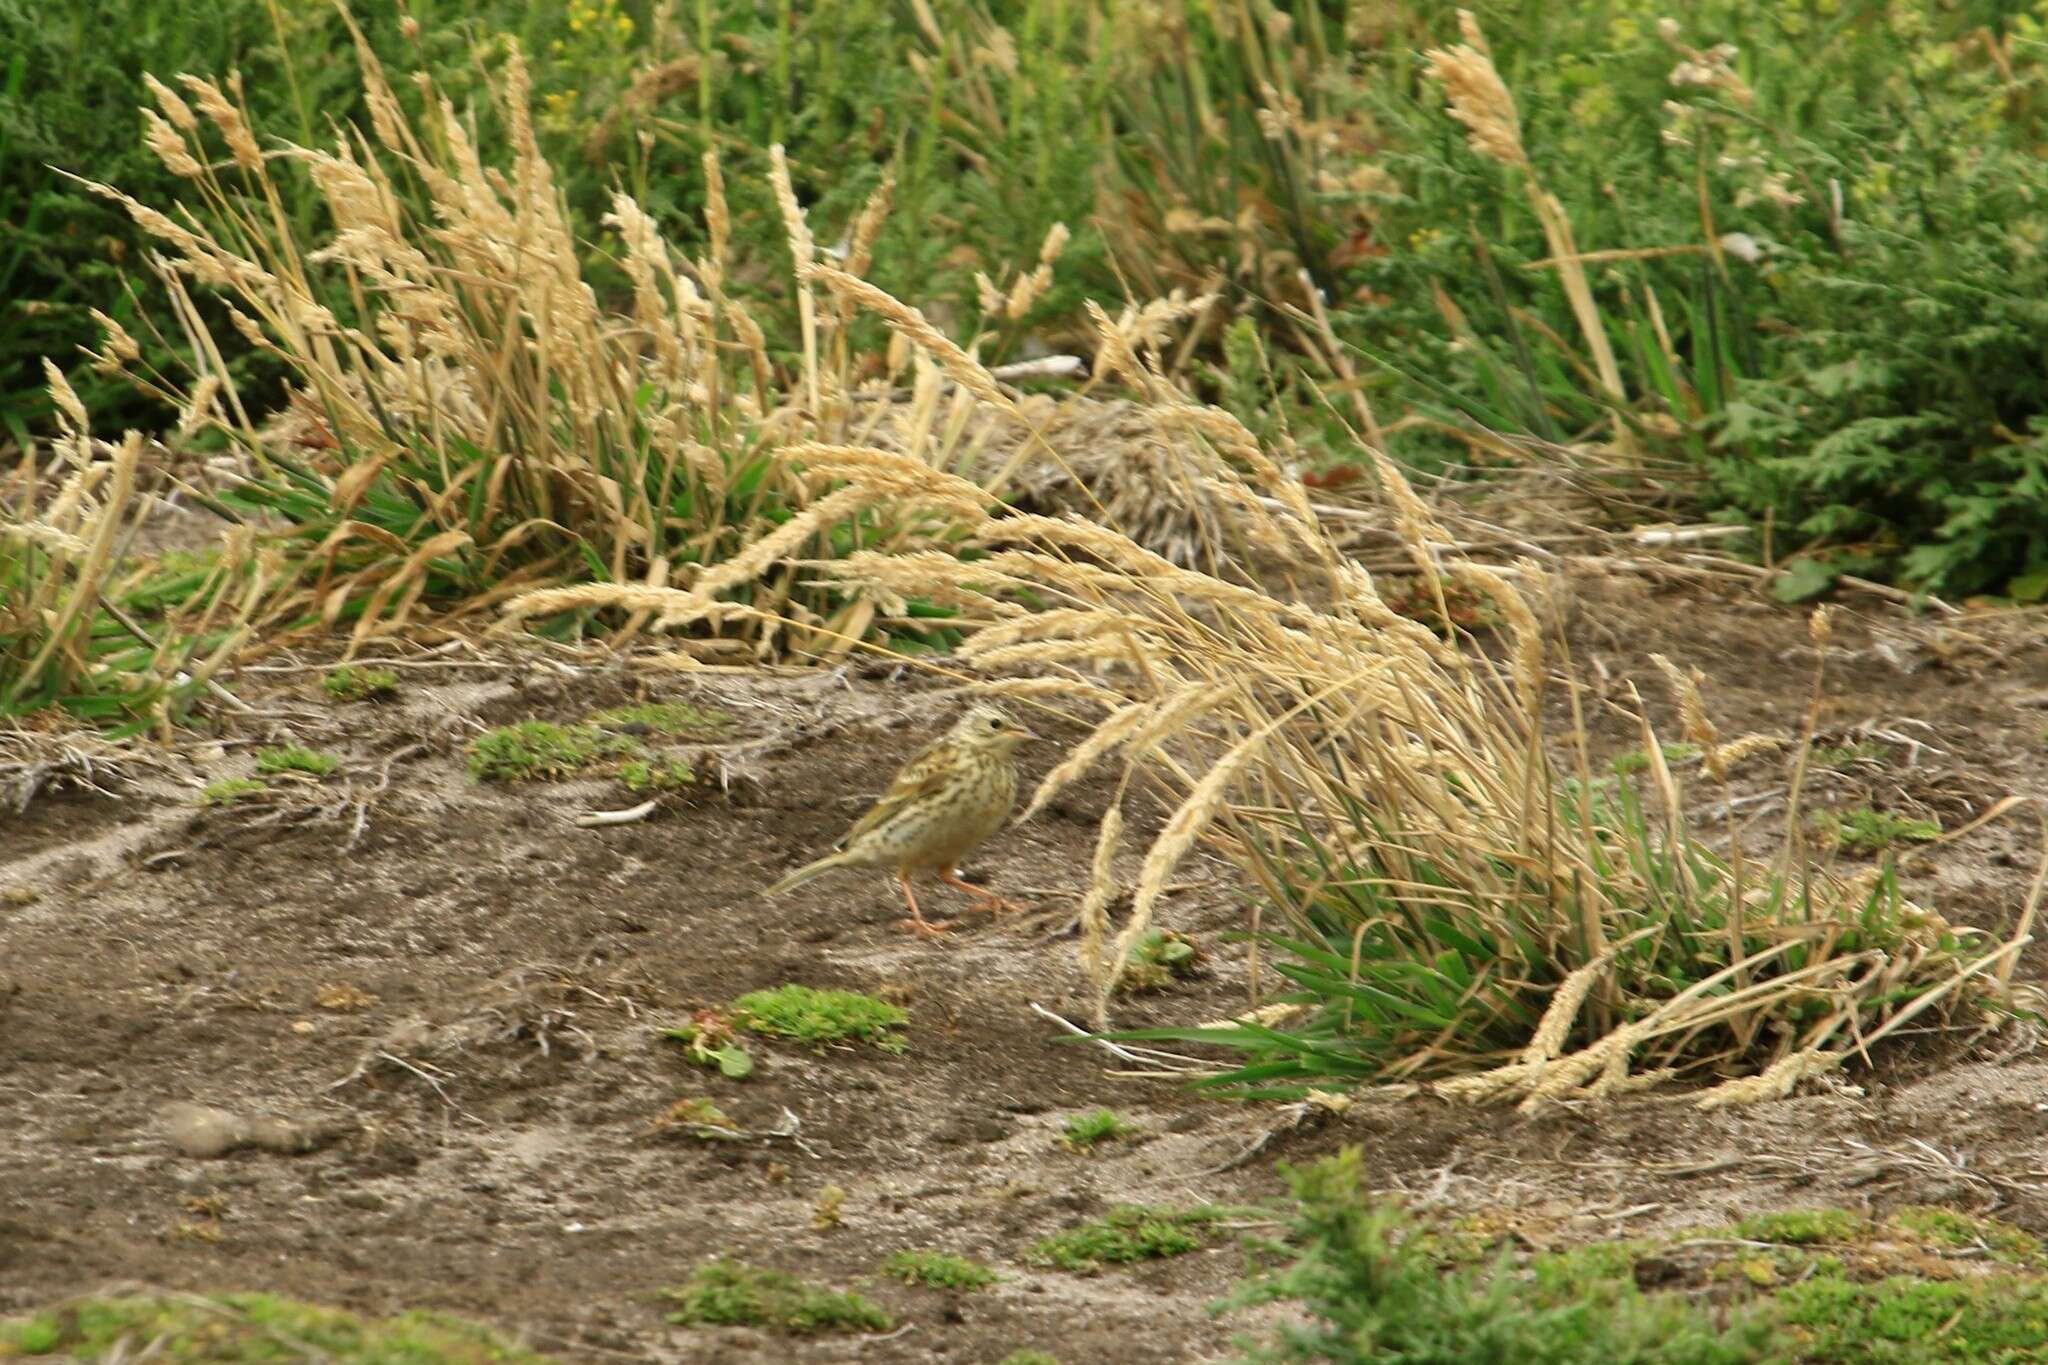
(1478, 97)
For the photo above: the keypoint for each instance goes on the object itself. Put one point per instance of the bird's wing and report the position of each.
(920, 777)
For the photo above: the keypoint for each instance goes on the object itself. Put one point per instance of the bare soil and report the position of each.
(461, 994)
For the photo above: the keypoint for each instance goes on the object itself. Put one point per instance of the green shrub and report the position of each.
(1373, 1287)
(1373, 1294)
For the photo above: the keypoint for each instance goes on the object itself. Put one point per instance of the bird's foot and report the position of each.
(985, 899)
(927, 928)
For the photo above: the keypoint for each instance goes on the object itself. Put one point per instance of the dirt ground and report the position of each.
(462, 994)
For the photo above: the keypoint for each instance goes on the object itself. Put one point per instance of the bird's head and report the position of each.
(990, 730)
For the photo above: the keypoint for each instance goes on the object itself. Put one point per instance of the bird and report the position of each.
(943, 804)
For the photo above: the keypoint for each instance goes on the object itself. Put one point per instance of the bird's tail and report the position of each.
(806, 872)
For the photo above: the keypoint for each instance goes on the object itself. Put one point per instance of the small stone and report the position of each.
(199, 1130)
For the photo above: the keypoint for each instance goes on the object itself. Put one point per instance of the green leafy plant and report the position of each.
(725, 1292)
(1160, 958)
(710, 1040)
(814, 1016)
(938, 1270)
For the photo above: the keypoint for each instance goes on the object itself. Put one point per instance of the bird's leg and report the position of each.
(988, 900)
(917, 923)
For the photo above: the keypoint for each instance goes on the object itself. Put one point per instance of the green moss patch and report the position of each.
(815, 1016)
(733, 1294)
(1131, 1232)
(231, 1328)
(541, 750)
(350, 683)
(229, 790)
(293, 758)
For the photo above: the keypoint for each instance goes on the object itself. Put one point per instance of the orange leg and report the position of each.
(917, 923)
(988, 900)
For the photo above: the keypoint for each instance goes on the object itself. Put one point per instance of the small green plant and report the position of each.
(1636, 760)
(1860, 829)
(1030, 1357)
(815, 1016)
(1083, 1131)
(533, 749)
(1843, 755)
(1131, 1232)
(1372, 1292)
(709, 1040)
(350, 683)
(697, 1117)
(1159, 958)
(656, 775)
(939, 1270)
(2001, 1241)
(1375, 1286)
(293, 758)
(250, 1329)
(725, 1292)
(229, 790)
(1804, 1227)
(669, 719)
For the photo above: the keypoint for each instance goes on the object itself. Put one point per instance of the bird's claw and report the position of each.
(928, 928)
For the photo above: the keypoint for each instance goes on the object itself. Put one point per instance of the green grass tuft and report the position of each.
(730, 1293)
(231, 789)
(1029, 1357)
(815, 1016)
(293, 758)
(939, 1270)
(228, 1329)
(669, 719)
(1131, 1232)
(350, 683)
(1084, 1131)
(1860, 829)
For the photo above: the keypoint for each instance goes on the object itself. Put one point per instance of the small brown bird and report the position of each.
(946, 801)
